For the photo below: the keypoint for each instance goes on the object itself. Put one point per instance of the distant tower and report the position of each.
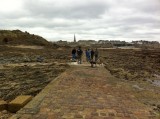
(74, 38)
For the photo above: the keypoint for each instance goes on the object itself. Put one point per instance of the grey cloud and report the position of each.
(52, 9)
(148, 6)
(91, 19)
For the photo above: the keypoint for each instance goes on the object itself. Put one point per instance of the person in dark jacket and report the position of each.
(79, 55)
(73, 54)
(92, 54)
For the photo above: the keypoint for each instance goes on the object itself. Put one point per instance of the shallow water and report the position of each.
(156, 81)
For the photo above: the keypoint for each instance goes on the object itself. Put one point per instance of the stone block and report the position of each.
(18, 103)
(3, 105)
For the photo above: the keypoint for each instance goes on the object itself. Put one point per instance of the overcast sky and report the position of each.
(88, 19)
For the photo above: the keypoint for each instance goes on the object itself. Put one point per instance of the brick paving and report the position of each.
(83, 92)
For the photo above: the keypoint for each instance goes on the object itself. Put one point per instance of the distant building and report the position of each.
(145, 42)
(87, 42)
(103, 42)
(62, 42)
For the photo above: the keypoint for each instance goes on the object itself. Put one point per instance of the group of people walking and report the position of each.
(91, 55)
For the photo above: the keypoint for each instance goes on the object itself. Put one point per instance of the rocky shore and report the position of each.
(140, 68)
(27, 70)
